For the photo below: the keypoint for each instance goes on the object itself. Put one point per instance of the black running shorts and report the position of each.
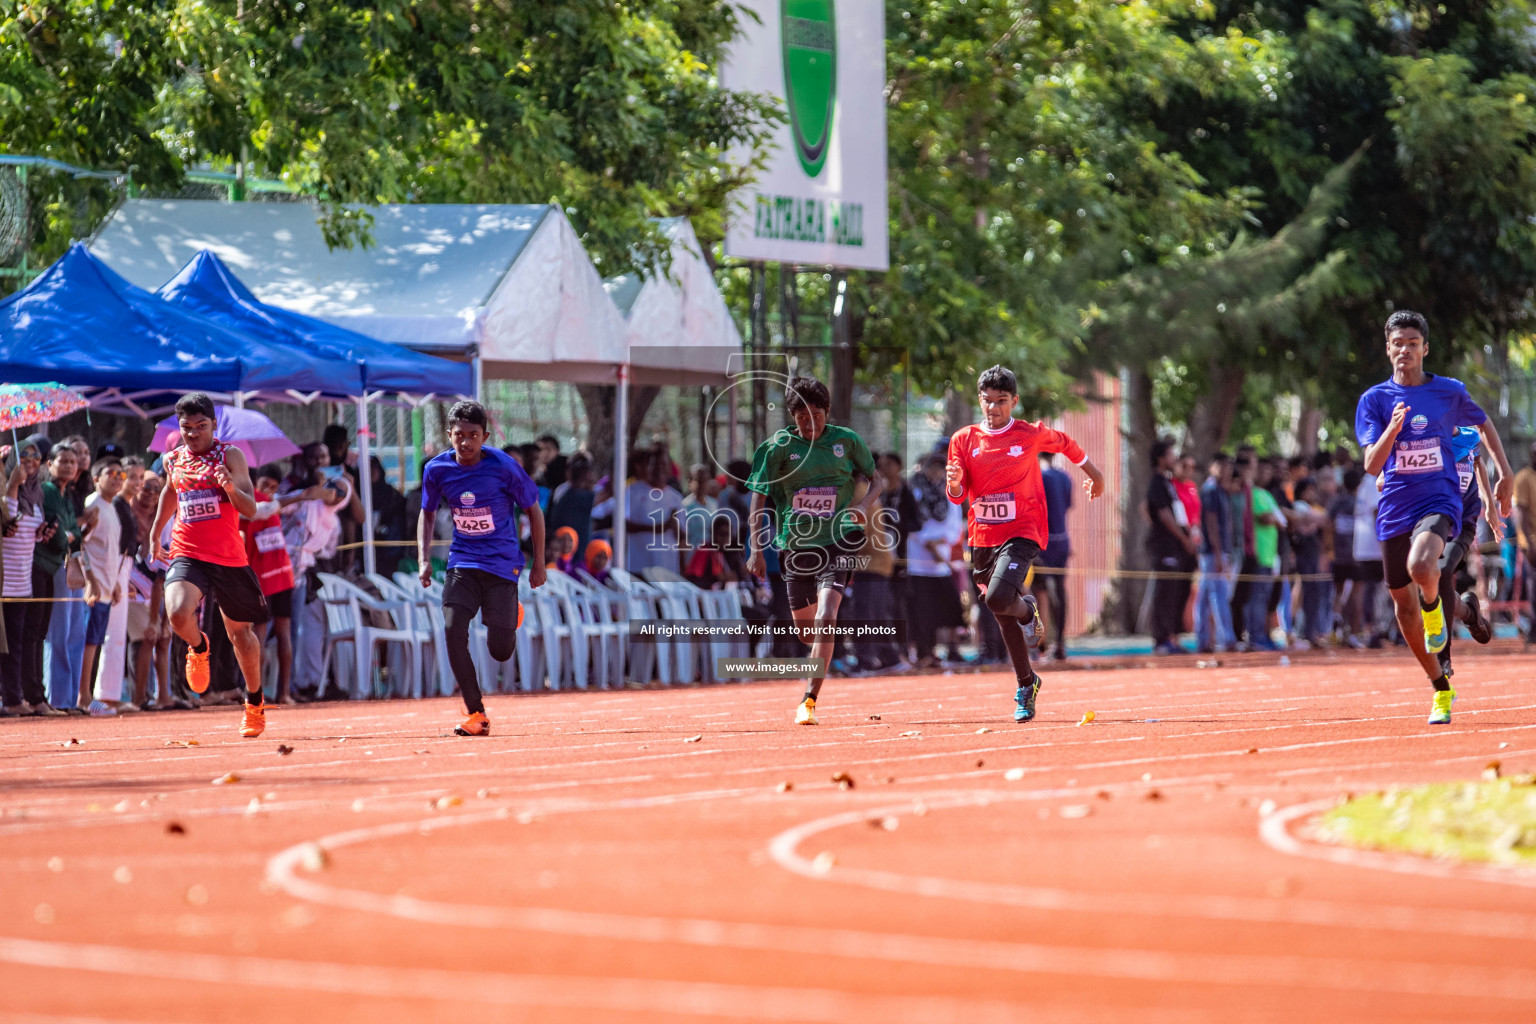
(475, 590)
(809, 571)
(1008, 561)
(233, 587)
(1394, 550)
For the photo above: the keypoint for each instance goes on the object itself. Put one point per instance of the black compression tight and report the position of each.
(1004, 600)
(501, 641)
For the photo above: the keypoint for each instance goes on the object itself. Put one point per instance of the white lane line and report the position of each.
(1275, 831)
(609, 994)
(1146, 965)
(784, 850)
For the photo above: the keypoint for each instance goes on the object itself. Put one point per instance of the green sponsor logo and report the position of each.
(809, 34)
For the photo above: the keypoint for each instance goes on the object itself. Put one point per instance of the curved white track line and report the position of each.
(1130, 964)
(1275, 831)
(784, 849)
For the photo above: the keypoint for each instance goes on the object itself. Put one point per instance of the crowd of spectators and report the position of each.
(1259, 553)
(1282, 552)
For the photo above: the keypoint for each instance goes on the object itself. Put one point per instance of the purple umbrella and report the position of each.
(258, 437)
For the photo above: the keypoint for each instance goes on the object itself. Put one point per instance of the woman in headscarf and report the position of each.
(23, 525)
(599, 555)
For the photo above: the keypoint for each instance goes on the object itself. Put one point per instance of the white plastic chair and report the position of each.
(346, 623)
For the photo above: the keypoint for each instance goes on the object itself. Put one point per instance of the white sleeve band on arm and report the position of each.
(1082, 460)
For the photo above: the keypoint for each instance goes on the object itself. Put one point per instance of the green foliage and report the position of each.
(1018, 185)
(611, 110)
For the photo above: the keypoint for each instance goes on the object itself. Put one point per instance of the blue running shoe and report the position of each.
(1024, 700)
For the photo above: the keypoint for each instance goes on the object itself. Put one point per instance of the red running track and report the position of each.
(630, 857)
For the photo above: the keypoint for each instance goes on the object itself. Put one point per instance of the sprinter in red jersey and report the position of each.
(209, 490)
(994, 466)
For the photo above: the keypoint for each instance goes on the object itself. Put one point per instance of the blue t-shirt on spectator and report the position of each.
(1214, 503)
(1058, 498)
(482, 498)
(1420, 472)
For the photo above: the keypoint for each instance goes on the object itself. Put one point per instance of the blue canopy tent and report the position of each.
(80, 323)
(207, 287)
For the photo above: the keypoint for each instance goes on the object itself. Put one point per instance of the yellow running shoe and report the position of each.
(254, 722)
(197, 667)
(1436, 636)
(805, 714)
(1441, 713)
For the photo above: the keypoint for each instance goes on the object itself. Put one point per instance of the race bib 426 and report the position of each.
(473, 522)
(1422, 456)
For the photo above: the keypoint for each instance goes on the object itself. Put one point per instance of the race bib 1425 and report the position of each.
(1422, 456)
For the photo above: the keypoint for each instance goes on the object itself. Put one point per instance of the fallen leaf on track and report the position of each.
(284, 749)
(1013, 774)
(1088, 716)
(1253, 750)
(982, 730)
(693, 739)
(889, 823)
(843, 780)
(72, 742)
(226, 780)
(1491, 771)
(182, 743)
(823, 862)
(1076, 811)
(1153, 794)
(445, 802)
(486, 794)
(874, 718)
(913, 733)
(784, 787)
(175, 828)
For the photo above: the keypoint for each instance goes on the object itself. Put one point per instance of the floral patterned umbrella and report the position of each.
(25, 405)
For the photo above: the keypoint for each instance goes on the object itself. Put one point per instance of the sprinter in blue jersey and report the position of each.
(1476, 496)
(1405, 425)
(481, 485)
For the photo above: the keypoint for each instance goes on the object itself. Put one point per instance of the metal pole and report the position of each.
(759, 340)
(405, 481)
(842, 351)
(621, 468)
(365, 482)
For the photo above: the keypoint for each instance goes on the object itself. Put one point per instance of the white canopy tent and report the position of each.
(678, 331)
(507, 285)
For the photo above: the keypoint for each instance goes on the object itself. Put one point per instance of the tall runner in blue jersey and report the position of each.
(1476, 497)
(1405, 426)
(481, 485)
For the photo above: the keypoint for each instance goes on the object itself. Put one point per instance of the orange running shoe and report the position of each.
(254, 723)
(475, 725)
(519, 615)
(197, 667)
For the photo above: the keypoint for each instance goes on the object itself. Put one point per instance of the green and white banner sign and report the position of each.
(820, 201)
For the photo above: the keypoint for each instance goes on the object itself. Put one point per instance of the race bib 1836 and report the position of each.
(473, 522)
(996, 508)
(1422, 456)
(815, 501)
(197, 506)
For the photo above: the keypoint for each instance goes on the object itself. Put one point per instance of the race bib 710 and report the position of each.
(1423, 456)
(996, 508)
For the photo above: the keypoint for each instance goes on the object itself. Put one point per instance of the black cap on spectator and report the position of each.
(110, 449)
